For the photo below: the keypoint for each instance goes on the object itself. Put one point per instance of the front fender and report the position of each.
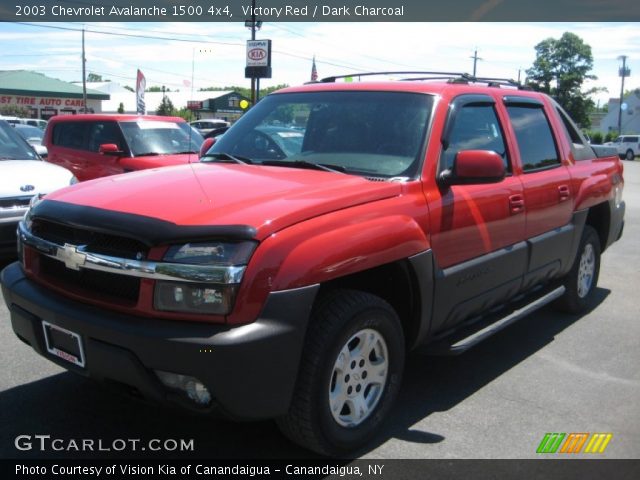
(350, 249)
(332, 246)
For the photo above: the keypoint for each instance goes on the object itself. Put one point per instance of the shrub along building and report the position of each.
(43, 97)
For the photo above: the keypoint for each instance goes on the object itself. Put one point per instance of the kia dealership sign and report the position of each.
(258, 59)
(258, 53)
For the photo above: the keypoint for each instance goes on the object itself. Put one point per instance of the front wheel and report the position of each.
(582, 279)
(630, 155)
(349, 375)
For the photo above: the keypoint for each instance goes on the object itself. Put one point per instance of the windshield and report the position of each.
(153, 137)
(30, 133)
(12, 146)
(378, 134)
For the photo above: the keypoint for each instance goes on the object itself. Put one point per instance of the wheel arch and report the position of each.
(599, 217)
(407, 285)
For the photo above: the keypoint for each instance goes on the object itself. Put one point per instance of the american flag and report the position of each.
(314, 70)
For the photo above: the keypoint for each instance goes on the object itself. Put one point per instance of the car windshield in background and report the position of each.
(151, 137)
(378, 134)
(29, 133)
(12, 146)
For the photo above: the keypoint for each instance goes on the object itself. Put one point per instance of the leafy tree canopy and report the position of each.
(166, 108)
(560, 69)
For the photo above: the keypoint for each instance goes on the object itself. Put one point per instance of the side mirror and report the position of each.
(474, 167)
(206, 145)
(109, 149)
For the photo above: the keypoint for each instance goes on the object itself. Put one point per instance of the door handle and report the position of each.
(516, 204)
(564, 192)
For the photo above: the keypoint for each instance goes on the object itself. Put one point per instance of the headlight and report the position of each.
(212, 253)
(215, 298)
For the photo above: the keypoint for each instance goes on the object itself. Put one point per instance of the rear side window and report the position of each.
(580, 149)
(535, 140)
(70, 134)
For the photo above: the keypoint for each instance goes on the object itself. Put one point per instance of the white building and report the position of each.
(202, 103)
(630, 119)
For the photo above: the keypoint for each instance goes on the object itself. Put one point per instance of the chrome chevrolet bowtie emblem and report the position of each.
(71, 257)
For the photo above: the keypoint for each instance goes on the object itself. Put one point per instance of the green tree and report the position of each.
(166, 108)
(94, 77)
(245, 92)
(14, 111)
(156, 88)
(560, 69)
(121, 108)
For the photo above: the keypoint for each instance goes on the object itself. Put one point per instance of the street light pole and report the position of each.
(622, 72)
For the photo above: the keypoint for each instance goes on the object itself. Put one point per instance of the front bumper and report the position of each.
(250, 370)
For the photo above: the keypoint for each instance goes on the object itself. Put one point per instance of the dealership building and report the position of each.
(43, 97)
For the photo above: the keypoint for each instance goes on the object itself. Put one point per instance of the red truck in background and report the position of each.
(334, 228)
(98, 145)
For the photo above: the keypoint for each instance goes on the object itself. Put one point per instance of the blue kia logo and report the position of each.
(27, 188)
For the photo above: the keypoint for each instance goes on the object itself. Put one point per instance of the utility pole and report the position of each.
(475, 60)
(84, 76)
(622, 72)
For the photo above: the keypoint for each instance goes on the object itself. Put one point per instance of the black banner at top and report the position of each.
(319, 10)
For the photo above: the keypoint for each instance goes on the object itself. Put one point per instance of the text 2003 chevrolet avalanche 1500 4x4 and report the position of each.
(331, 230)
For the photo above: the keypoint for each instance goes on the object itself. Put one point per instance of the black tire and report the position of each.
(339, 320)
(577, 295)
(630, 155)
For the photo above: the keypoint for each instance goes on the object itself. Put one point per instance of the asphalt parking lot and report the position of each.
(550, 372)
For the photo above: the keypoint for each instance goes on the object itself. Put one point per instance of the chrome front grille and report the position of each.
(94, 242)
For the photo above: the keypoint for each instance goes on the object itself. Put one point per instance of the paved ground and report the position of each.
(548, 373)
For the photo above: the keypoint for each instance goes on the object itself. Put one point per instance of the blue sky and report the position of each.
(212, 54)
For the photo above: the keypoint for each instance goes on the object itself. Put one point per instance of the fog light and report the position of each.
(192, 387)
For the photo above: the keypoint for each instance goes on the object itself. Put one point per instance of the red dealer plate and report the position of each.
(63, 343)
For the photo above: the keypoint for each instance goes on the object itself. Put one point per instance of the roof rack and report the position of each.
(440, 75)
(453, 77)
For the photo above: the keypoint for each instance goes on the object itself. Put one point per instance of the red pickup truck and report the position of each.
(97, 145)
(334, 228)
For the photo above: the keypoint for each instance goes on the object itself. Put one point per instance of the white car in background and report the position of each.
(33, 136)
(628, 146)
(24, 175)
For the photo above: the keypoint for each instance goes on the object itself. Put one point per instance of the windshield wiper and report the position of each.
(305, 164)
(228, 156)
(149, 154)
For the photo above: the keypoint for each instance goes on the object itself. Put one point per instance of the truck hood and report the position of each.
(264, 198)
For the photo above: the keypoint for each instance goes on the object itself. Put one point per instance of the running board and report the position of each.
(468, 336)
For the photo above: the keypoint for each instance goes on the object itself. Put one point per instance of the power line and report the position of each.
(187, 41)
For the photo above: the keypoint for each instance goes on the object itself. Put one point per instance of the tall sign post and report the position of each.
(258, 63)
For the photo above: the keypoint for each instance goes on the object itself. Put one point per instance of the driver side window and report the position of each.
(476, 127)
